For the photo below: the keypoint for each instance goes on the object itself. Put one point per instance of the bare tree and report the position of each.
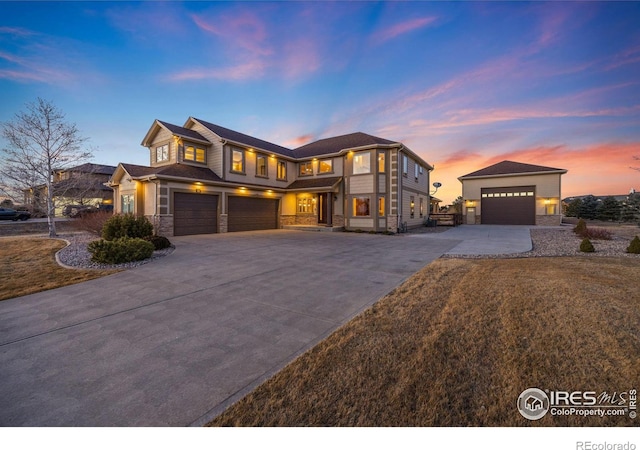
(39, 142)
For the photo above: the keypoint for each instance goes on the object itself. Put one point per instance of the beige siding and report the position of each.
(361, 184)
(406, 208)
(361, 223)
(163, 137)
(382, 183)
(214, 153)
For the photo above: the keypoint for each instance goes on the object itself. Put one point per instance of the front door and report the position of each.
(323, 209)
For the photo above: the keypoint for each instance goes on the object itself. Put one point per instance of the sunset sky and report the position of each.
(463, 84)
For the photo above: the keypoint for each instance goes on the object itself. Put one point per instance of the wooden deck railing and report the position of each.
(448, 219)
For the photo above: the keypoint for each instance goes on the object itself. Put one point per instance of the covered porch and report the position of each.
(313, 204)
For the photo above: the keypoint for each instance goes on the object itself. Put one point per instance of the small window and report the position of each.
(381, 211)
(412, 206)
(529, 194)
(421, 206)
(237, 161)
(405, 165)
(516, 194)
(282, 170)
(381, 163)
(484, 196)
(421, 170)
(306, 168)
(551, 210)
(509, 194)
(127, 203)
(261, 166)
(361, 207)
(325, 166)
(362, 163)
(192, 153)
(162, 153)
(416, 171)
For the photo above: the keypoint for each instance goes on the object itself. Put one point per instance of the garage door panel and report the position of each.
(509, 205)
(250, 213)
(194, 214)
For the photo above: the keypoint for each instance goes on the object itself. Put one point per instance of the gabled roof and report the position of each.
(173, 129)
(339, 143)
(314, 183)
(241, 138)
(172, 171)
(509, 168)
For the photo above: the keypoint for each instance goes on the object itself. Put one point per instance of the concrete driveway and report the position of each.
(486, 239)
(174, 342)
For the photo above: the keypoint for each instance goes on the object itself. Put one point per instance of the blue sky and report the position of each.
(463, 84)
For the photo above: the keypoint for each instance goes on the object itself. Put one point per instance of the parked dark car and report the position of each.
(12, 214)
(74, 211)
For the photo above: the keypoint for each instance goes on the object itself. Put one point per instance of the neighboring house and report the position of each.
(84, 185)
(512, 193)
(204, 178)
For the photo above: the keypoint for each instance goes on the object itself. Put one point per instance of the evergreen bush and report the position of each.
(120, 250)
(159, 242)
(634, 247)
(127, 225)
(580, 228)
(586, 246)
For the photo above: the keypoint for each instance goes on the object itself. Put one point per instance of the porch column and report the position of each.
(330, 209)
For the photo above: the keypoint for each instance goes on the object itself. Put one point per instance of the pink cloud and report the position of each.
(29, 69)
(243, 30)
(401, 28)
(299, 141)
(245, 71)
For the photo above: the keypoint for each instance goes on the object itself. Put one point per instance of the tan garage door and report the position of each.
(194, 214)
(509, 205)
(250, 213)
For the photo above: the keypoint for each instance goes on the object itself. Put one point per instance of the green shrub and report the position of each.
(127, 225)
(580, 228)
(634, 247)
(586, 246)
(120, 250)
(159, 242)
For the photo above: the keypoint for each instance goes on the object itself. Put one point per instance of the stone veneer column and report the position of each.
(223, 225)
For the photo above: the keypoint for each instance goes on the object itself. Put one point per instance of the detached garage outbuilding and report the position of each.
(512, 193)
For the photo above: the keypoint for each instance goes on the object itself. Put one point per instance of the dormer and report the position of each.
(171, 144)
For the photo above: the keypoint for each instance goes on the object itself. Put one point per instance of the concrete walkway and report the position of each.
(486, 239)
(173, 342)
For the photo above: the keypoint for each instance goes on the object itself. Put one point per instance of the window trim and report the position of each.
(131, 200)
(305, 163)
(412, 207)
(416, 171)
(195, 154)
(266, 165)
(160, 147)
(361, 154)
(284, 164)
(243, 162)
(330, 160)
(421, 206)
(405, 165)
(381, 207)
(355, 206)
(382, 158)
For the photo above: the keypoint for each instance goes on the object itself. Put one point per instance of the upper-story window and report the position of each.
(362, 163)
(405, 165)
(381, 164)
(237, 161)
(325, 166)
(162, 153)
(261, 166)
(192, 153)
(282, 170)
(306, 168)
(416, 169)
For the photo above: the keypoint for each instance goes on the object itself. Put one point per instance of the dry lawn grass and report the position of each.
(457, 343)
(28, 265)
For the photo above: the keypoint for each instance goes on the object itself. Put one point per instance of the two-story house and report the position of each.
(83, 185)
(204, 178)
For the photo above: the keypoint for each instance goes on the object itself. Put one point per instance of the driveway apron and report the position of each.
(176, 341)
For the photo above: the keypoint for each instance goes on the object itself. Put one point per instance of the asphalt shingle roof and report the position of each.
(314, 183)
(183, 132)
(226, 133)
(510, 167)
(338, 143)
(172, 170)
